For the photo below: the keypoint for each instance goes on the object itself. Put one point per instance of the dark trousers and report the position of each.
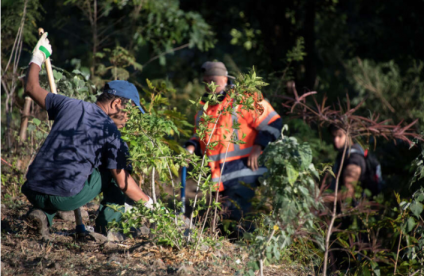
(236, 199)
(97, 182)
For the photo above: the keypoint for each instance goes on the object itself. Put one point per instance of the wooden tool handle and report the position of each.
(49, 70)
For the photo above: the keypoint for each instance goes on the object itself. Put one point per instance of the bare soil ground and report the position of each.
(23, 252)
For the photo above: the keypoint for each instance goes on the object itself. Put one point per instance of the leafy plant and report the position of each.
(120, 59)
(152, 150)
(290, 184)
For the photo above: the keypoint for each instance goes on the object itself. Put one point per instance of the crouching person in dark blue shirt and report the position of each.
(83, 155)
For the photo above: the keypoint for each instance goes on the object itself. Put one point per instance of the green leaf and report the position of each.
(305, 153)
(57, 75)
(100, 54)
(365, 271)
(416, 208)
(292, 174)
(36, 121)
(276, 251)
(149, 84)
(304, 191)
(205, 107)
(411, 224)
(376, 268)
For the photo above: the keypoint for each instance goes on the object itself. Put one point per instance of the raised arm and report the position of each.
(41, 52)
(33, 88)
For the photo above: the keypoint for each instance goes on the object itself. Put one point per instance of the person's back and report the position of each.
(81, 139)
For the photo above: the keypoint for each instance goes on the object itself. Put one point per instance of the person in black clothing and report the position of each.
(354, 165)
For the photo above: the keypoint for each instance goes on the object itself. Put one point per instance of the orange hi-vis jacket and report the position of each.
(250, 123)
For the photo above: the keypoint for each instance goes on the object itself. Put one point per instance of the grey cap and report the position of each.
(215, 68)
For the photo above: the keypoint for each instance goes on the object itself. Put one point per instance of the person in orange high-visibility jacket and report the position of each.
(236, 170)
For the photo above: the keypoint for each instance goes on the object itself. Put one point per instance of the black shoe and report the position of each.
(39, 220)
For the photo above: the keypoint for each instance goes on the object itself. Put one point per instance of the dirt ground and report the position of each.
(23, 252)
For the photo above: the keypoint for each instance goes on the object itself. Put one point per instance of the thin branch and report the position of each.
(100, 42)
(76, 36)
(112, 25)
(200, 177)
(397, 253)
(167, 52)
(261, 261)
(219, 181)
(153, 186)
(334, 214)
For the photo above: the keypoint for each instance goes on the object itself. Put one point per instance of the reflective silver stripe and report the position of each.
(238, 152)
(275, 132)
(263, 126)
(198, 117)
(267, 119)
(240, 173)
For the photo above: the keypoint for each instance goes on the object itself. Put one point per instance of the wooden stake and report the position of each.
(25, 118)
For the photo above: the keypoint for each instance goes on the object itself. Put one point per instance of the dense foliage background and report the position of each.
(356, 49)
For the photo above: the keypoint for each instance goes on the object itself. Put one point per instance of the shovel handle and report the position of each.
(49, 70)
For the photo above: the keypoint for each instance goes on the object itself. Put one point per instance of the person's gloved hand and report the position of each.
(42, 51)
(149, 204)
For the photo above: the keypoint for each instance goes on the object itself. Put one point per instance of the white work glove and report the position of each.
(149, 204)
(42, 51)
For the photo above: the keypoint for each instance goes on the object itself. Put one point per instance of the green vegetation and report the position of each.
(347, 51)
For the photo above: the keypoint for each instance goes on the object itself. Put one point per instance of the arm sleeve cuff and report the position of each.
(196, 145)
(264, 137)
